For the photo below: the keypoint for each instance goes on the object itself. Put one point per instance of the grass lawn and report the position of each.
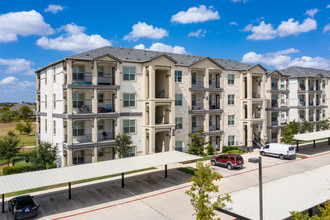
(189, 170)
(26, 140)
(300, 156)
(73, 183)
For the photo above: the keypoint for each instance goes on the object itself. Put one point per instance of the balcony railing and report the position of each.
(195, 129)
(106, 80)
(214, 106)
(274, 123)
(106, 108)
(214, 128)
(86, 138)
(274, 104)
(214, 86)
(198, 106)
(302, 103)
(197, 84)
(105, 135)
(84, 109)
(302, 87)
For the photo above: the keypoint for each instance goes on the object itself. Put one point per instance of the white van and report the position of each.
(279, 150)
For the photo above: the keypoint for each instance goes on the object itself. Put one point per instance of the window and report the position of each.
(78, 100)
(302, 114)
(210, 120)
(283, 83)
(217, 80)
(129, 100)
(231, 79)
(131, 152)
(100, 98)
(129, 73)
(100, 71)
(100, 125)
(45, 101)
(193, 122)
(54, 100)
(283, 101)
(323, 84)
(129, 126)
(78, 72)
(323, 114)
(45, 125)
(210, 102)
(54, 71)
(231, 140)
(323, 99)
(178, 99)
(274, 134)
(193, 100)
(178, 76)
(178, 146)
(101, 152)
(46, 77)
(283, 114)
(274, 83)
(178, 123)
(231, 99)
(210, 79)
(193, 78)
(54, 127)
(78, 128)
(231, 119)
(78, 157)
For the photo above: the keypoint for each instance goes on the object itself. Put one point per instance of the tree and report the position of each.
(20, 127)
(25, 112)
(9, 146)
(6, 117)
(289, 131)
(199, 192)
(17, 118)
(197, 143)
(28, 127)
(123, 143)
(306, 126)
(324, 125)
(45, 156)
(325, 214)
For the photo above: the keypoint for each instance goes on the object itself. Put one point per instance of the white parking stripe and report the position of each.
(108, 201)
(43, 213)
(74, 204)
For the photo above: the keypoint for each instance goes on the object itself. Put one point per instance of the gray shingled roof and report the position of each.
(137, 55)
(297, 71)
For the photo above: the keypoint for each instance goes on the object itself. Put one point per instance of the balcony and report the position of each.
(195, 129)
(84, 109)
(302, 87)
(106, 108)
(213, 87)
(197, 85)
(106, 79)
(311, 118)
(274, 104)
(274, 122)
(197, 106)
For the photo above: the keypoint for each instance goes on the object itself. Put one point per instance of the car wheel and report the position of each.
(263, 153)
(229, 166)
(281, 156)
(213, 163)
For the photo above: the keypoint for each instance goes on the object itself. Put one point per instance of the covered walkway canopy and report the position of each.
(312, 136)
(32, 180)
(299, 192)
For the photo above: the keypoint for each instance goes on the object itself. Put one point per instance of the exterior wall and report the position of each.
(235, 109)
(183, 111)
(293, 99)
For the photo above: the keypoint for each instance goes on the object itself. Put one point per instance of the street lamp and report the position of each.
(258, 160)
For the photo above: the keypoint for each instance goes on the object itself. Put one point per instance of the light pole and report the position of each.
(258, 160)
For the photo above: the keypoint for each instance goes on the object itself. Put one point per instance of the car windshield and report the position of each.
(24, 202)
(291, 148)
(239, 158)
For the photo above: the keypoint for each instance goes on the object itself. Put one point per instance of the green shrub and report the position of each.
(225, 149)
(12, 170)
(235, 152)
(14, 160)
(51, 166)
(209, 149)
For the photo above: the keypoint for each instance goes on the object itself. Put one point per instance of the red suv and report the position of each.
(228, 160)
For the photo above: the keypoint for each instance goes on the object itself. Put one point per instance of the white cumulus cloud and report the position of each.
(281, 59)
(233, 23)
(199, 33)
(312, 12)
(196, 15)
(142, 29)
(74, 39)
(13, 66)
(23, 23)
(8, 80)
(265, 31)
(326, 28)
(54, 8)
(162, 47)
(328, 6)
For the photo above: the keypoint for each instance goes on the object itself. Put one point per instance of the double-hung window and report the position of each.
(100, 71)
(231, 99)
(78, 128)
(54, 128)
(129, 126)
(129, 73)
(45, 125)
(231, 79)
(45, 101)
(129, 100)
(178, 123)
(178, 99)
(231, 119)
(78, 72)
(54, 101)
(193, 100)
(100, 98)
(78, 100)
(100, 125)
(178, 146)
(54, 72)
(131, 151)
(178, 76)
(231, 140)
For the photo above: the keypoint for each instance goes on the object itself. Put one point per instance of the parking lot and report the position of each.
(149, 195)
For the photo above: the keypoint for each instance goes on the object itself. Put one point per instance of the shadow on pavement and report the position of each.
(320, 147)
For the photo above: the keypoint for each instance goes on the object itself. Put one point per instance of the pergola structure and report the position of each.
(312, 136)
(42, 178)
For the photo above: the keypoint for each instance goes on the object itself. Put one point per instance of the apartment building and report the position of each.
(160, 99)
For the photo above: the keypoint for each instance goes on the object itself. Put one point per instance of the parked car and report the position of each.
(278, 150)
(228, 160)
(23, 207)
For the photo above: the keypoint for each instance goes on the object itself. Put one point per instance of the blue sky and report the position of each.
(276, 34)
